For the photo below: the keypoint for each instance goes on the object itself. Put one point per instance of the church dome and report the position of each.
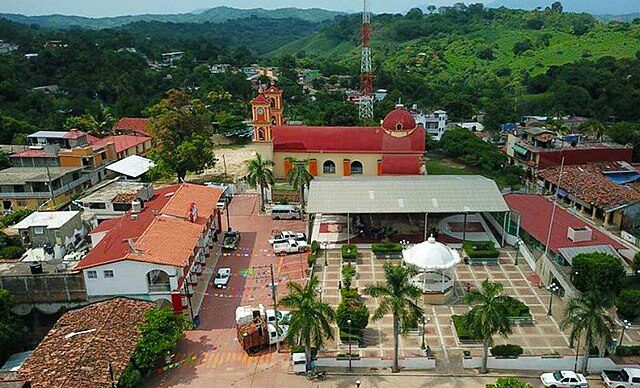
(399, 119)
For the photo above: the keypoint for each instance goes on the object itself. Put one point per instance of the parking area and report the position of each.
(211, 353)
(542, 338)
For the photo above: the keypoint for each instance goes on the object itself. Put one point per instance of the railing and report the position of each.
(165, 287)
(45, 194)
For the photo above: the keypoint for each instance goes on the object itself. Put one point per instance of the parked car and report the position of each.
(563, 379)
(222, 277)
(285, 212)
(623, 378)
(290, 246)
(287, 235)
(230, 239)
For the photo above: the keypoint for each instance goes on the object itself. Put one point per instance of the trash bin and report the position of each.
(196, 321)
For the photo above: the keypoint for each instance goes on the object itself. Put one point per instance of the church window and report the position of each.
(329, 167)
(356, 168)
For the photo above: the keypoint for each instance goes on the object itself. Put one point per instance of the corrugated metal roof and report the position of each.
(132, 166)
(570, 252)
(405, 194)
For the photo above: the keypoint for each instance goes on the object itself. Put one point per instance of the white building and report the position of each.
(156, 253)
(115, 198)
(435, 124)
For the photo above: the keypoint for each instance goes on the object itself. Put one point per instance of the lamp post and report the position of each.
(358, 382)
(325, 245)
(626, 325)
(518, 243)
(424, 320)
(349, 323)
(553, 288)
(226, 208)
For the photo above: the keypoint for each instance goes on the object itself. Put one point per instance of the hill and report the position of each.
(596, 7)
(213, 15)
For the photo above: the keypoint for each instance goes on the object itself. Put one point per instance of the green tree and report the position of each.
(398, 296)
(588, 318)
(600, 271)
(488, 316)
(593, 127)
(299, 177)
(260, 174)
(508, 382)
(13, 331)
(355, 310)
(160, 332)
(230, 125)
(636, 264)
(182, 127)
(310, 319)
(628, 304)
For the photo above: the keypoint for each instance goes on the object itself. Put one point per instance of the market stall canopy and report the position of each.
(405, 194)
(431, 255)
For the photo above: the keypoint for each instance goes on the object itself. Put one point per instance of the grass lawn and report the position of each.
(446, 167)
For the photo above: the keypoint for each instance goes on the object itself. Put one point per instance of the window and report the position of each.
(97, 205)
(329, 167)
(108, 273)
(122, 207)
(92, 274)
(356, 168)
(158, 281)
(38, 230)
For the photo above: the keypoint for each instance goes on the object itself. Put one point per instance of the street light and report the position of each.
(404, 244)
(553, 288)
(226, 208)
(325, 245)
(424, 320)
(626, 325)
(518, 243)
(358, 382)
(349, 323)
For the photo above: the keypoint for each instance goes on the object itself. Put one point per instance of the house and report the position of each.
(89, 346)
(115, 198)
(608, 192)
(535, 148)
(435, 124)
(133, 126)
(6, 47)
(156, 252)
(169, 58)
(125, 145)
(60, 230)
(40, 187)
(396, 147)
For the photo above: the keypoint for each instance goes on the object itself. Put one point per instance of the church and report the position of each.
(396, 147)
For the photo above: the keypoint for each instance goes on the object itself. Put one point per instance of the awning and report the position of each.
(519, 149)
(405, 194)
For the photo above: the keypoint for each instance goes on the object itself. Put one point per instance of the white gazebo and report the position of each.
(437, 262)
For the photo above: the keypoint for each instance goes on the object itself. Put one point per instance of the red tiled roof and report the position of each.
(82, 344)
(400, 116)
(401, 164)
(536, 212)
(174, 201)
(106, 225)
(92, 139)
(346, 139)
(74, 134)
(260, 99)
(29, 153)
(136, 124)
(121, 142)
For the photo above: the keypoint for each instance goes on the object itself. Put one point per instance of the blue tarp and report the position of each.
(623, 178)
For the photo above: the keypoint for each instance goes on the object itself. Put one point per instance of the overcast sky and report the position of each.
(98, 8)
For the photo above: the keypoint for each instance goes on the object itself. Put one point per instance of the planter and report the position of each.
(354, 357)
(482, 260)
(522, 321)
(464, 341)
(387, 255)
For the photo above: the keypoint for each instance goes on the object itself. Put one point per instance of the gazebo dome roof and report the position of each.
(431, 255)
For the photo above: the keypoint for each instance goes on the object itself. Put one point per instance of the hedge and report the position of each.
(517, 308)
(349, 293)
(349, 252)
(480, 249)
(628, 304)
(623, 351)
(348, 272)
(460, 323)
(314, 247)
(507, 350)
(386, 247)
(11, 252)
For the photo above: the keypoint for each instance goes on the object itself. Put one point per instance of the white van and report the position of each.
(285, 212)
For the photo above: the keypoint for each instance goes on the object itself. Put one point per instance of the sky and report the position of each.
(100, 8)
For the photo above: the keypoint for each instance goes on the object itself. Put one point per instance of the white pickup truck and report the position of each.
(287, 235)
(623, 378)
(290, 246)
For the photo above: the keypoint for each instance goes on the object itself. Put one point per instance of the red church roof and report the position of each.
(399, 119)
(260, 99)
(345, 139)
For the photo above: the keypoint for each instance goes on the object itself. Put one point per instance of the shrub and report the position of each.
(508, 350)
(636, 264)
(15, 217)
(509, 382)
(349, 294)
(314, 247)
(628, 304)
(130, 378)
(355, 310)
(460, 323)
(345, 336)
(11, 252)
(600, 271)
(311, 259)
(480, 249)
(517, 308)
(349, 252)
(348, 272)
(624, 351)
(386, 246)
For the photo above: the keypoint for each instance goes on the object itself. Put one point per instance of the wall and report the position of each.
(46, 288)
(584, 155)
(129, 278)
(369, 161)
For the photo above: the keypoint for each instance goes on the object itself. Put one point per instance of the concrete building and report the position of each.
(115, 198)
(434, 124)
(62, 231)
(396, 147)
(156, 253)
(6, 47)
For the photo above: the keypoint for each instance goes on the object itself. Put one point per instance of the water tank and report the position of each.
(136, 206)
(36, 267)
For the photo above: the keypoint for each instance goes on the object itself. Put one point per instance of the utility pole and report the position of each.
(275, 304)
(553, 212)
(50, 184)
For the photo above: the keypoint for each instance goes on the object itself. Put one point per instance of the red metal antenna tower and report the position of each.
(366, 78)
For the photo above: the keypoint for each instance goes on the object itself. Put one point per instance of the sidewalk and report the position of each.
(407, 363)
(596, 365)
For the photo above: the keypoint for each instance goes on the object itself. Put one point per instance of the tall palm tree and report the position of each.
(588, 316)
(488, 316)
(593, 127)
(397, 295)
(260, 174)
(299, 178)
(310, 319)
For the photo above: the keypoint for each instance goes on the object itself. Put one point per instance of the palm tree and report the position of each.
(398, 296)
(310, 319)
(489, 316)
(587, 315)
(260, 174)
(299, 178)
(593, 127)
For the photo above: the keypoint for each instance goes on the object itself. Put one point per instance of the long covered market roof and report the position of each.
(405, 194)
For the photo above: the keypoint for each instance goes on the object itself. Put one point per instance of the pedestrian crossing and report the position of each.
(217, 359)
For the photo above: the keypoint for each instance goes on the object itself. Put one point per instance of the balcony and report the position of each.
(45, 194)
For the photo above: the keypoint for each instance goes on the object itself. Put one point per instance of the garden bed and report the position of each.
(481, 252)
(459, 327)
(387, 250)
(349, 253)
